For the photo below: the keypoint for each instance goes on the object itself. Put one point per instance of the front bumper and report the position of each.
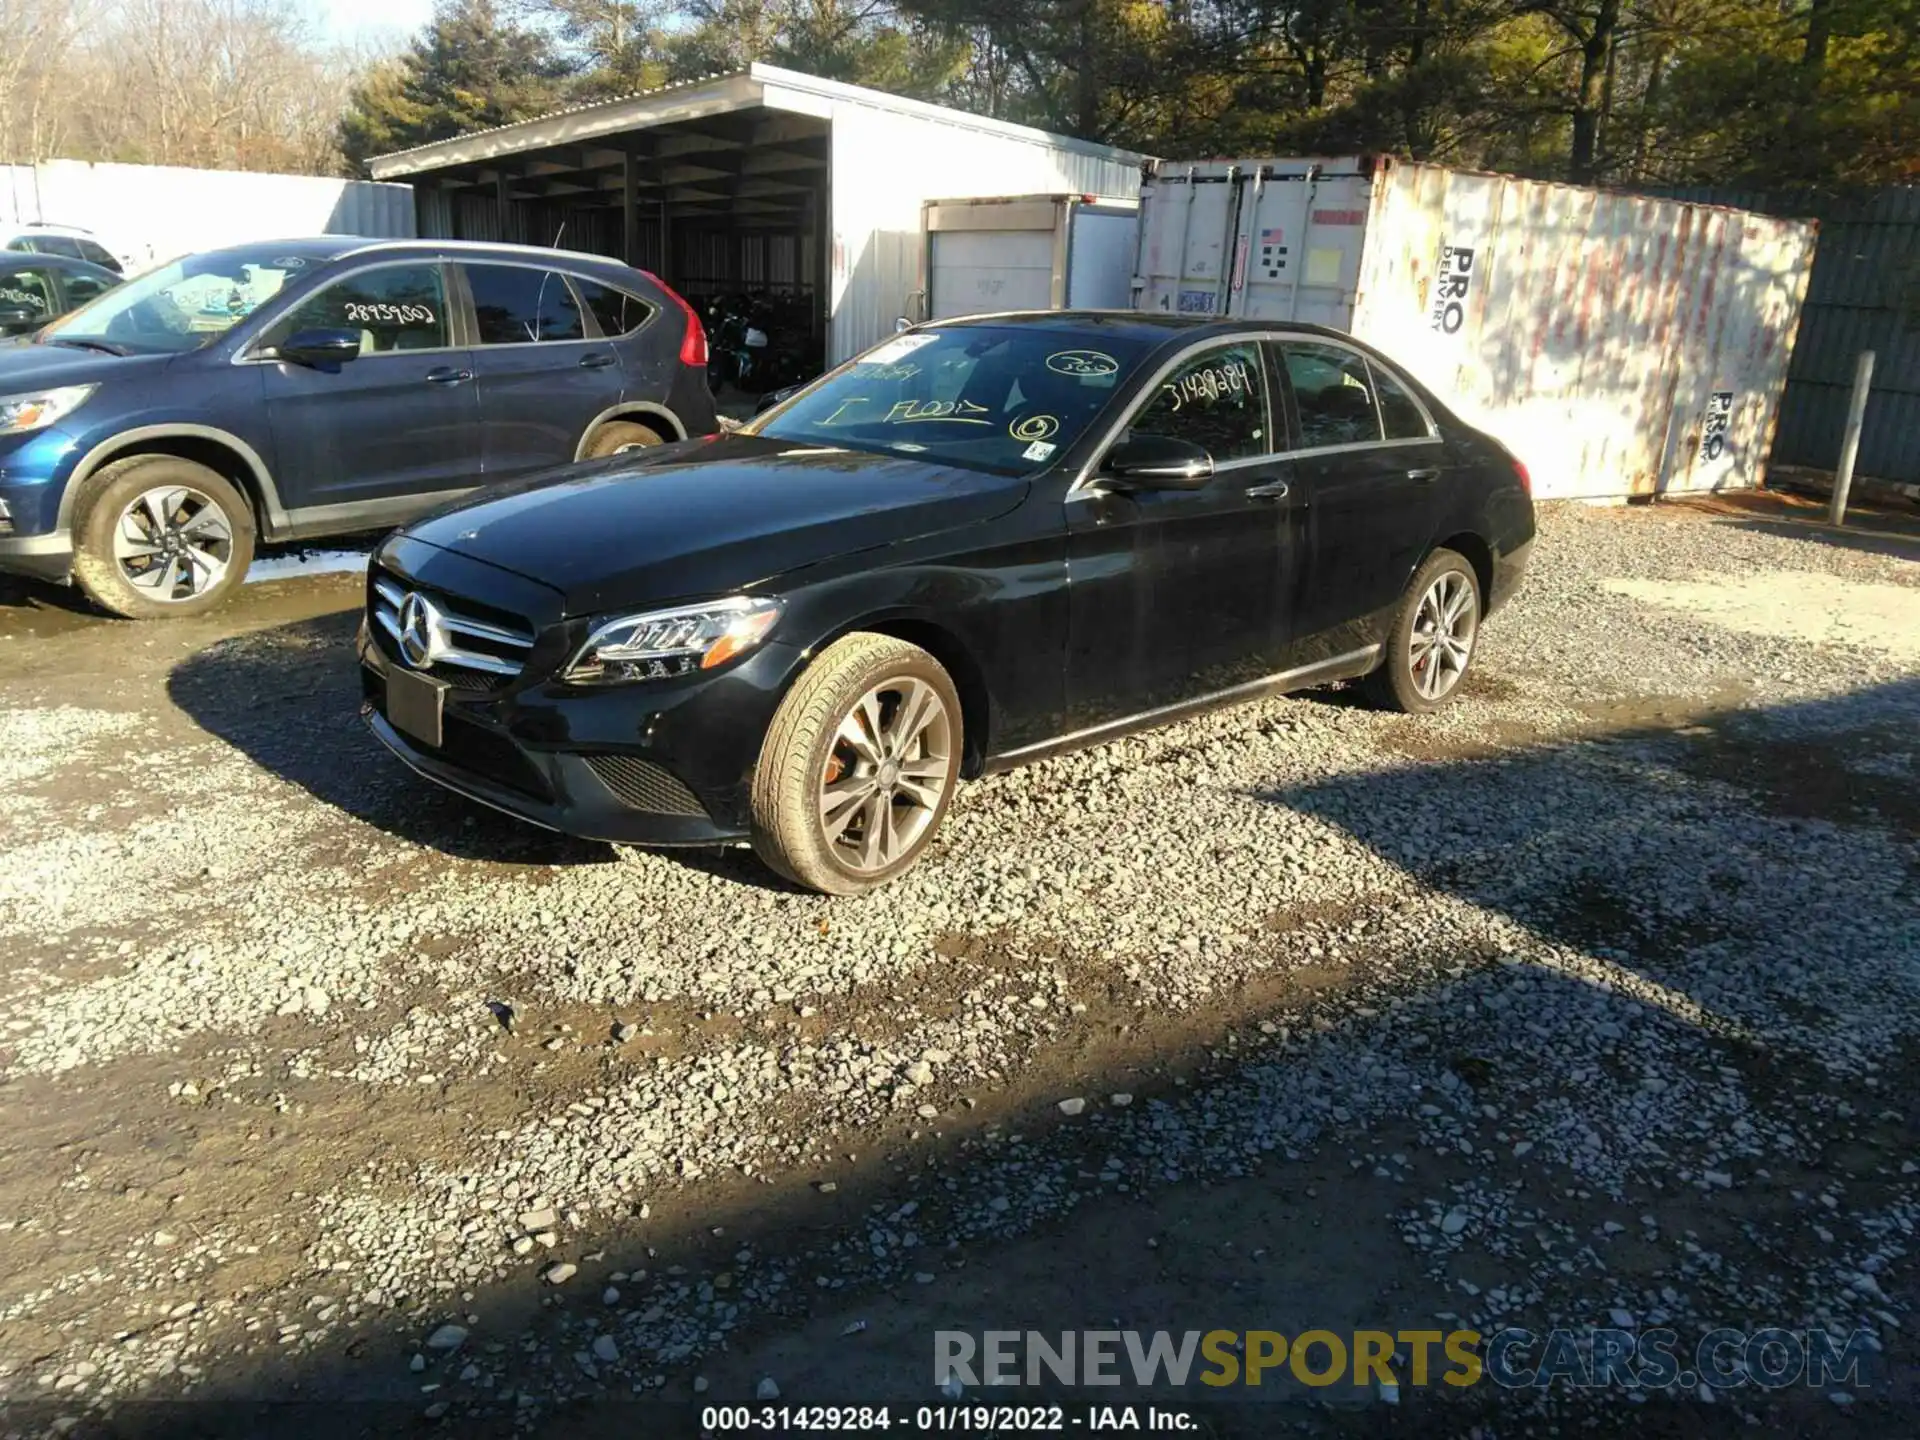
(640, 765)
(44, 557)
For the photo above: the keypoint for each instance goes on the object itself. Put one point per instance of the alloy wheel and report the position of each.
(1443, 629)
(886, 774)
(173, 543)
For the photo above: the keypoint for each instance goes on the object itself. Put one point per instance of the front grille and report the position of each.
(644, 786)
(474, 652)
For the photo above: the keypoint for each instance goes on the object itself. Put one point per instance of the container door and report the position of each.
(978, 272)
(1100, 250)
(1187, 226)
(1298, 249)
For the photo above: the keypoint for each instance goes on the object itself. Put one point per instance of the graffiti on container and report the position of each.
(1449, 311)
(1196, 302)
(1713, 436)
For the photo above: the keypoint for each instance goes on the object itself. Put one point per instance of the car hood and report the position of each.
(707, 517)
(26, 365)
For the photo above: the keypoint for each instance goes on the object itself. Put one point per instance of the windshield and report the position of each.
(999, 398)
(181, 306)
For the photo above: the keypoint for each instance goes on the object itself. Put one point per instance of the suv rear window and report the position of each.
(98, 254)
(618, 312)
(518, 305)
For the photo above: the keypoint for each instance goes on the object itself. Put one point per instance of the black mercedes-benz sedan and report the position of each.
(982, 542)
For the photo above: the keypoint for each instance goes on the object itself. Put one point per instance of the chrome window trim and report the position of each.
(248, 354)
(1084, 481)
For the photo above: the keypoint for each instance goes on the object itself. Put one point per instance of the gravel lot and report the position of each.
(1594, 995)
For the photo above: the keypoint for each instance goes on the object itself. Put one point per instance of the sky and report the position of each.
(345, 19)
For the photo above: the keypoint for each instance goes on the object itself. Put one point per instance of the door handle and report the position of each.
(1428, 473)
(1273, 490)
(595, 362)
(447, 375)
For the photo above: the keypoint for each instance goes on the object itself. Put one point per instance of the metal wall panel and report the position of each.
(887, 163)
(147, 214)
(1864, 295)
(1618, 344)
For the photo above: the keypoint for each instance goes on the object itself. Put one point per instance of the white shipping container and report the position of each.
(1024, 252)
(1618, 345)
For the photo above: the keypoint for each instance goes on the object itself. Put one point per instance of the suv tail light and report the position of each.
(1520, 473)
(693, 345)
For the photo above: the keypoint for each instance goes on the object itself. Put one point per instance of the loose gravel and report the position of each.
(1609, 971)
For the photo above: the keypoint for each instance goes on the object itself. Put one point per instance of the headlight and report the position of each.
(664, 643)
(36, 411)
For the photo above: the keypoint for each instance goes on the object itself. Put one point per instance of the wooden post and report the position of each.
(1850, 440)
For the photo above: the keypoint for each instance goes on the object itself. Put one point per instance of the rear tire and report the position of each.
(1435, 632)
(156, 536)
(619, 435)
(858, 767)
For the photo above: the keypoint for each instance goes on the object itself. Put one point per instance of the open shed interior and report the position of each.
(727, 208)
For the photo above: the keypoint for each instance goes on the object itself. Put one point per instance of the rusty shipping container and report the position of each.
(1619, 345)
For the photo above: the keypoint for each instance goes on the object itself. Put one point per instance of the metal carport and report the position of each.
(765, 179)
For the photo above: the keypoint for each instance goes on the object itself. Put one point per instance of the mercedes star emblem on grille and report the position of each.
(423, 632)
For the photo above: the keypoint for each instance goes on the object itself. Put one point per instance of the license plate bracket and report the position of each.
(415, 704)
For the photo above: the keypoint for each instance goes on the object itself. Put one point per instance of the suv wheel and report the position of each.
(618, 435)
(858, 767)
(1432, 641)
(156, 536)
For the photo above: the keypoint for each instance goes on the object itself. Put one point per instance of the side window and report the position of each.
(58, 245)
(98, 255)
(518, 305)
(397, 307)
(1217, 400)
(26, 301)
(618, 312)
(1333, 392)
(21, 245)
(82, 287)
(1400, 413)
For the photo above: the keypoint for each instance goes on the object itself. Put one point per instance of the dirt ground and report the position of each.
(228, 1207)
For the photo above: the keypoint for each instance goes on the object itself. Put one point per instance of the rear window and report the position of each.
(617, 312)
(98, 254)
(519, 305)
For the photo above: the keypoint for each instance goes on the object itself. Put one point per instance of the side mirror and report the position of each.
(901, 323)
(319, 348)
(780, 396)
(1156, 462)
(21, 317)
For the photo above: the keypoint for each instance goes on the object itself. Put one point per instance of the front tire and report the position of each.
(1434, 634)
(156, 536)
(858, 767)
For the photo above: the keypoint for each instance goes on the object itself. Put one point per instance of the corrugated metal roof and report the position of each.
(750, 86)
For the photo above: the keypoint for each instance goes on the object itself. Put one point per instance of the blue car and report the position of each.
(301, 388)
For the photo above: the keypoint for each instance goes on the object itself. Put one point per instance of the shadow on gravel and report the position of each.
(1867, 542)
(1627, 812)
(289, 698)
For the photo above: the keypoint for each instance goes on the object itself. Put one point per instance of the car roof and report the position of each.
(11, 260)
(484, 249)
(1148, 325)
